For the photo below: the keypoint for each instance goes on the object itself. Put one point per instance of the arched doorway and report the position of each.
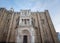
(25, 39)
(25, 35)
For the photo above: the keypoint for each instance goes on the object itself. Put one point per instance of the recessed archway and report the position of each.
(26, 36)
(26, 33)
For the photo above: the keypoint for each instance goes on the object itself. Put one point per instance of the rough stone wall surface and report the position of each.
(51, 27)
(5, 17)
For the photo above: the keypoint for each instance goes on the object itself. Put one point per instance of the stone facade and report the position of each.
(26, 27)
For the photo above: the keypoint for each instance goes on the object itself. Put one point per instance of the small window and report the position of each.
(27, 19)
(22, 20)
(42, 21)
(8, 20)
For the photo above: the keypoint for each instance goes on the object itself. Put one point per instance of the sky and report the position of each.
(53, 6)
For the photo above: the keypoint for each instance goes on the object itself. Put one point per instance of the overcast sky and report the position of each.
(52, 5)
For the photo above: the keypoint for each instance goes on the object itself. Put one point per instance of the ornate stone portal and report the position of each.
(29, 32)
(25, 28)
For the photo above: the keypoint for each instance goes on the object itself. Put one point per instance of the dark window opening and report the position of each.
(24, 39)
(22, 20)
(25, 21)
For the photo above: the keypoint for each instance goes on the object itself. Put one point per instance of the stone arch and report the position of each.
(28, 32)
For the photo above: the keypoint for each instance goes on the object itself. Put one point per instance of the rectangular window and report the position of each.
(25, 21)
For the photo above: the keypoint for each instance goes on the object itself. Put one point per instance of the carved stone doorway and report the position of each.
(25, 35)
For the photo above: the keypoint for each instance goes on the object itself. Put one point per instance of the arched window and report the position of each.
(25, 21)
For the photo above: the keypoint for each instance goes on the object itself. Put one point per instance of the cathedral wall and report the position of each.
(51, 27)
(4, 24)
(45, 29)
(35, 24)
(41, 29)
